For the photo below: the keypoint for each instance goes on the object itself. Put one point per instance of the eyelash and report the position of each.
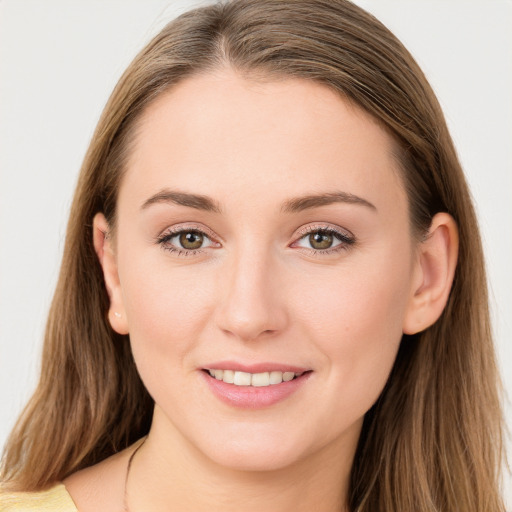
(170, 234)
(346, 240)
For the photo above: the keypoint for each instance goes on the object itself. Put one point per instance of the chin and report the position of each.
(254, 452)
(253, 461)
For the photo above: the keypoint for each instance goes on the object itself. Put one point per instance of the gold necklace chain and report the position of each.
(130, 460)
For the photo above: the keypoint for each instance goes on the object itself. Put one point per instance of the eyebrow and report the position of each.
(293, 205)
(299, 204)
(197, 201)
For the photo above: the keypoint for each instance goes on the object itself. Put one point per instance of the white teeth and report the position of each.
(242, 379)
(260, 379)
(276, 377)
(288, 376)
(252, 379)
(229, 376)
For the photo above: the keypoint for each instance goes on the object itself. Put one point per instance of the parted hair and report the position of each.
(433, 440)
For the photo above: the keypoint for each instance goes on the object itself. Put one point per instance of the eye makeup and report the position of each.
(316, 240)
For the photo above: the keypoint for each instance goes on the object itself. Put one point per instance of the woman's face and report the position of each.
(262, 227)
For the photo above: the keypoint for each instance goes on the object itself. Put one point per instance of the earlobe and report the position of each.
(433, 274)
(103, 246)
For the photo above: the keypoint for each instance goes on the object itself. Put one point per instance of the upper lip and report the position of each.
(255, 367)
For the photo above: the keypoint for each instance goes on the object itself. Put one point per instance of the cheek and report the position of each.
(166, 310)
(356, 322)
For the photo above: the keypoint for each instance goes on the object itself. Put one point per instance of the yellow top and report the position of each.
(56, 499)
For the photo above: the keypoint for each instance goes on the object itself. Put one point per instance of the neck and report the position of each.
(174, 473)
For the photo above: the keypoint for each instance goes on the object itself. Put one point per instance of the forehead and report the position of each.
(223, 134)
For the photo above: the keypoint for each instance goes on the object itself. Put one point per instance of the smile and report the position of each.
(262, 379)
(257, 389)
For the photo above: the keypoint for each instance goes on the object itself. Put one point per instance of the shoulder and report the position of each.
(55, 499)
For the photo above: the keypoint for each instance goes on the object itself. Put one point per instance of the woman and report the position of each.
(272, 294)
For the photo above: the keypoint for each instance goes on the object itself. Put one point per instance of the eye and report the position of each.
(185, 242)
(324, 240)
(190, 239)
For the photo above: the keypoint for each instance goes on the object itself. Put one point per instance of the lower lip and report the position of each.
(252, 397)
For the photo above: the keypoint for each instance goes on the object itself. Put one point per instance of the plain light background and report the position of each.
(59, 61)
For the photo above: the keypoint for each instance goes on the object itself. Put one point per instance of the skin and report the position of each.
(257, 291)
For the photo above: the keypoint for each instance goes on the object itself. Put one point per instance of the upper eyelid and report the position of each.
(305, 230)
(179, 228)
(299, 232)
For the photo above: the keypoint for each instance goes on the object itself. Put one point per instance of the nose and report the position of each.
(252, 302)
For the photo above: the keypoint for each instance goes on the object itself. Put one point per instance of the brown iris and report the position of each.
(320, 240)
(191, 239)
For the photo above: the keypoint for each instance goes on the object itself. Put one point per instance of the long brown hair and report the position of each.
(433, 440)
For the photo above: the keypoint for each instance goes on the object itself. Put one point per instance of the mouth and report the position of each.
(254, 386)
(246, 379)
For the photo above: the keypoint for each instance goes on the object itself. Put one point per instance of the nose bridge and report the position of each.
(251, 304)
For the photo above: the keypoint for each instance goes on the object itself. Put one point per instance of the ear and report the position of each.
(103, 245)
(433, 274)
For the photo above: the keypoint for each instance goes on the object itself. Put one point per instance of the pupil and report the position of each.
(191, 240)
(320, 240)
